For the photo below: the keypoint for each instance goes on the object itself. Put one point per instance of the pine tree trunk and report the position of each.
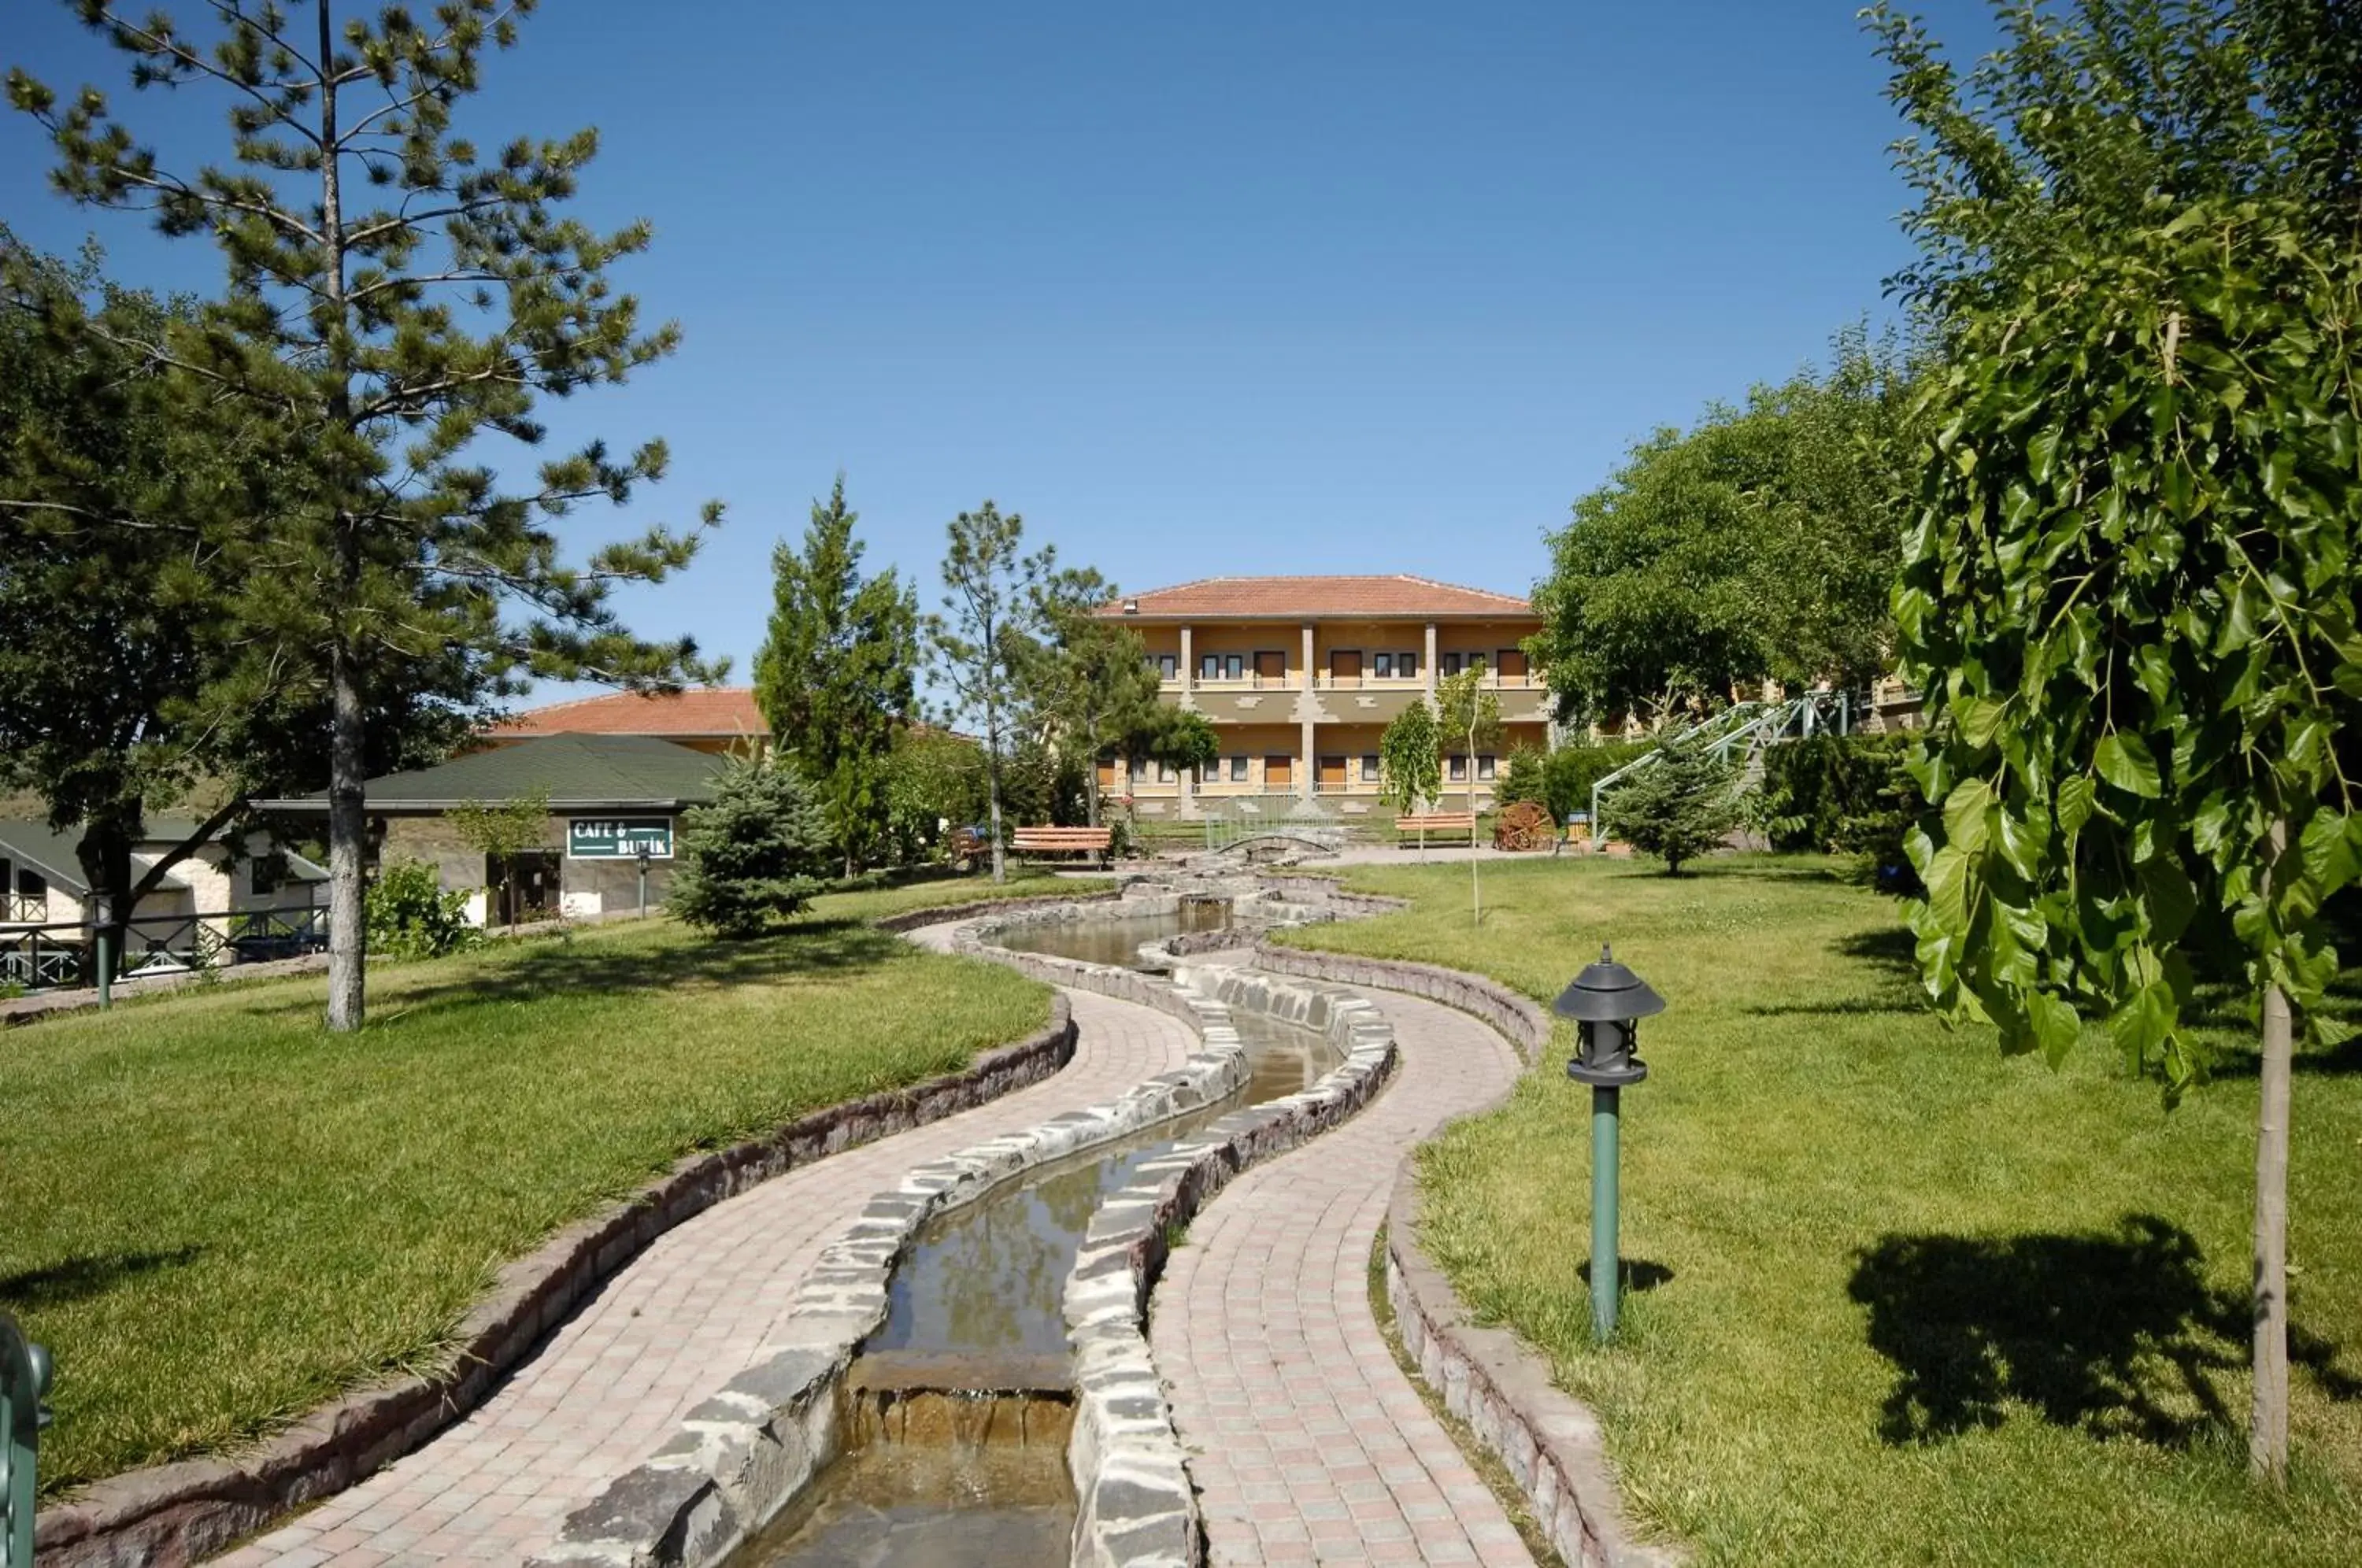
(347, 750)
(2269, 1420)
(347, 846)
(992, 796)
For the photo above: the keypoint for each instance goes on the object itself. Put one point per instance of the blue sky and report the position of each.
(1221, 288)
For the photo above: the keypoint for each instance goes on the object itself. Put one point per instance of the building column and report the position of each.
(1305, 783)
(1188, 665)
(1428, 668)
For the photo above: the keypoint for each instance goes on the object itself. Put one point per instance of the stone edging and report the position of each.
(1521, 1020)
(1501, 1387)
(1550, 1442)
(749, 1450)
(942, 914)
(179, 1512)
(1137, 1507)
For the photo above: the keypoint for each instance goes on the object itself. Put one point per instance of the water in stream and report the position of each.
(979, 1296)
(1116, 940)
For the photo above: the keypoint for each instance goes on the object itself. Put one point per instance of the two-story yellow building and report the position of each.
(1300, 676)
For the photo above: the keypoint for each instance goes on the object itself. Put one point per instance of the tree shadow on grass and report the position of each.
(1889, 949)
(79, 1278)
(568, 967)
(1888, 956)
(2115, 1334)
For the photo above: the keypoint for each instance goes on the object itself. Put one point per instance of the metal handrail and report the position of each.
(1757, 723)
(62, 954)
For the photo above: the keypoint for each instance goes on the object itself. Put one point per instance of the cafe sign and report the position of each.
(618, 838)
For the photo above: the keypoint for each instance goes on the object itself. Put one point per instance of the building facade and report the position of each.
(610, 797)
(1301, 675)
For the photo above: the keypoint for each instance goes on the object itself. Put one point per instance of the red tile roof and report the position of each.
(1394, 596)
(697, 711)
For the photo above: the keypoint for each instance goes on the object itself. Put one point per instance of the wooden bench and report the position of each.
(1063, 841)
(1425, 823)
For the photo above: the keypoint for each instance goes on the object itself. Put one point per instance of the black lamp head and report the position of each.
(1607, 992)
(1608, 1002)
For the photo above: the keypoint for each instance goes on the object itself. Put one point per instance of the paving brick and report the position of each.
(568, 1420)
(1270, 1299)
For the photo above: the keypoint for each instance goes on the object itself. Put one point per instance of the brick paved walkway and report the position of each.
(681, 1318)
(1307, 1441)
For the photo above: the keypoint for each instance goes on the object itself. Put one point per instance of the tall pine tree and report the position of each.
(984, 638)
(393, 293)
(836, 677)
(127, 528)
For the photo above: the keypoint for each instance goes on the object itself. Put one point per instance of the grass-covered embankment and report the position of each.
(1894, 1298)
(218, 1215)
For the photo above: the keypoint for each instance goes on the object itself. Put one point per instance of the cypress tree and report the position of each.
(836, 676)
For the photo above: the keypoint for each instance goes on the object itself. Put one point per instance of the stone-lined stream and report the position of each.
(960, 1405)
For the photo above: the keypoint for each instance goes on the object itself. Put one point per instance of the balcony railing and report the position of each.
(24, 909)
(1329, 680)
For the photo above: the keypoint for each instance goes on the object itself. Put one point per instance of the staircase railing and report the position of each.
(1754, 725)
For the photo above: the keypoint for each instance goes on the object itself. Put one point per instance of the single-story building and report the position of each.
(611, 798)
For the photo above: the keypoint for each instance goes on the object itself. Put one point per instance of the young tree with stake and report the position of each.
(393, 293)
(1468, 711)
(2130, 596)
(1411, 766)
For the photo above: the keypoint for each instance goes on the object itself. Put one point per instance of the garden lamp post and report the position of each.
(24, 1383)
(643, 859)
(1606, 1002)
(103, 946)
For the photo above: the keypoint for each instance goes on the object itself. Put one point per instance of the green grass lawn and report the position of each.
(1894, 1298)
(217, 1215)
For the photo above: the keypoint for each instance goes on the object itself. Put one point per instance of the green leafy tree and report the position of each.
(2130, 595)
(985, 638)
(1181, 738)
(836, 677)
(1468, 711)
(124, 527)
(501, 833)
(1680, 807)
(1088, 683)
(1570, 771)
(934, 781)
(1758, 545)
(411, 916)
(391, 294)
(1410, 761)
(754, 856)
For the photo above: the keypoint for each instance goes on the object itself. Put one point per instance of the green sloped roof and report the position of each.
(580, 772)
(52, 854)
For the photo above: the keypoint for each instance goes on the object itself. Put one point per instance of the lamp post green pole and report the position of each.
(103, 951)
(24, 1382)
(1607, 1112)
(1606, 1002)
